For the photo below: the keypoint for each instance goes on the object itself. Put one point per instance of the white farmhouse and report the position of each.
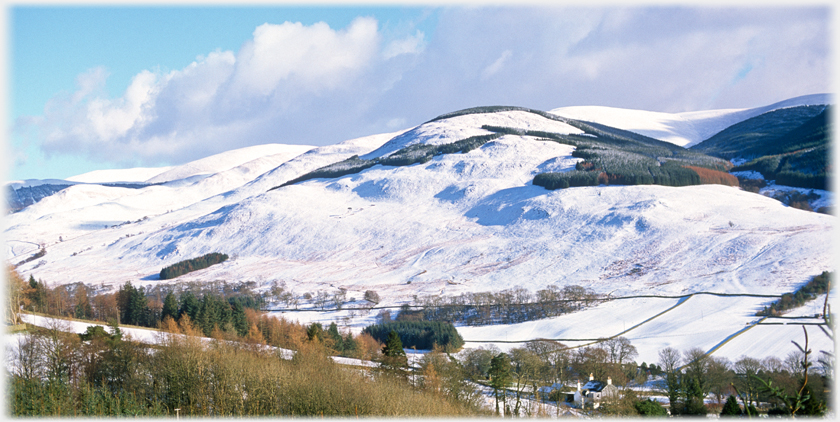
(595, 392)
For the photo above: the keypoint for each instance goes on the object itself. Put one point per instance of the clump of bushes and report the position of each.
(190, 265)
(752, 185)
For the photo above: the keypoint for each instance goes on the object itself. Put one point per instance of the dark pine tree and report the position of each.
(133, 306)
(500, 374)
(170, 307)
(338, 341)
(238, 319)
(189, 306)
(315, 332)
(731, 407)
(393, 355)
(38, 295)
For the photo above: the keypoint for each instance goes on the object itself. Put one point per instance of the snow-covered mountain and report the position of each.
(459, 222)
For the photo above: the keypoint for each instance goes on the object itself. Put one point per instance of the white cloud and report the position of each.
(215, 102)
(409, 45)
(110, 119)
(90, 82)
(316, 56)
(295, 83)
(496, 66)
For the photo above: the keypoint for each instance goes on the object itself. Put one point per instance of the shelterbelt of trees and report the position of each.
(818, 285)
(190, 265)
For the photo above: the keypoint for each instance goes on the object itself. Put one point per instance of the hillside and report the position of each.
(769, 133)
(442, 209)
(684, 129)
(790, 146)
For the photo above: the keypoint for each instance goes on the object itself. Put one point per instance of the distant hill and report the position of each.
(790, 146)
(767, 134)
(684, 129)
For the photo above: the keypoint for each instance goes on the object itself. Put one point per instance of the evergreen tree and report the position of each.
(338, 341)
(238, 319)
(731, 407)
(393, 355)
(206, 318)
(649, 407)
(315, 331)
(82, 310)
(133, 306)
(170, 307)
(38, 295)
(349, 344)
(189, 306)
(500, 375)
(814, 406)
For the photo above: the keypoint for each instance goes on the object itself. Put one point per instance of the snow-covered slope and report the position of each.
(458, 223)
(684, 129)
(132, 175)
(228, 160)
(462, 127)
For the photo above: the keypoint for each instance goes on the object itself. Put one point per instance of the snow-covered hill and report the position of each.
(458, 223)
(683, 129)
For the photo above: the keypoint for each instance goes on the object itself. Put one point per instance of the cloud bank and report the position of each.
(299, 84)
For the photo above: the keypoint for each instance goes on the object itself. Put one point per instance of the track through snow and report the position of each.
(459, 223)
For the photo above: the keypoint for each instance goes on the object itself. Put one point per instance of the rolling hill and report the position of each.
(448, 207)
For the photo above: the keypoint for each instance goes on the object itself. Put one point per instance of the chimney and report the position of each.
(578, 385)
(609, 381)
(591, 377)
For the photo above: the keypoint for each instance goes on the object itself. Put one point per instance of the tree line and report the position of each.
(131, 305)
(105, 373)
(790, 146)
(508, 306)
(817, 285)
(412, 154)
(190, 265)
(424, 335)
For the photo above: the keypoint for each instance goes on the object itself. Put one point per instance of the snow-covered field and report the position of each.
(459, 223)
(725, 326)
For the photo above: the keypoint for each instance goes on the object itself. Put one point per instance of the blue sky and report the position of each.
(113, 87)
